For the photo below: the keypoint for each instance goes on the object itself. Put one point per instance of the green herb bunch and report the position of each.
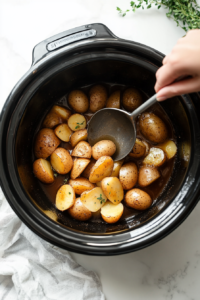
(186, 13)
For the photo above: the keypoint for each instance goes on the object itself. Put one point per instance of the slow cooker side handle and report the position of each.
(50, 45)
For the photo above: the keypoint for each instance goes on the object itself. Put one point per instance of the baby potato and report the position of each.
(56, 116)
(78, 136)
(169, 147)
(82, 149)
(113, 189)
(88, 169)
(42, 170)
(63, 132)
(79, 212)
(153, 128)
(98, 98)
(138, 199)
(78, 101)
(102, 168)
(139, 149)
(103, 148)
(61, 161)
(156, 157)
(94, 199)
(131, 99)
(77, 122)
(79, 165)
(114, 100)
(81, 185)
(128, 175)
(45, 143)
(65, 197)
(147, 175)
(111, 213)
(116, 168)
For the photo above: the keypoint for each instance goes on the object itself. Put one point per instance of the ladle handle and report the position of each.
(144, 107)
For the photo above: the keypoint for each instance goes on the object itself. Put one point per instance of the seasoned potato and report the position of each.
(61, 161)
(79, 165)
(88, 169)
(147, 175)
(103, 148)
(98, 98)
(111, 213)
(153, 128)
(102, 168)
(147, 147)
(114, 100)
(139, 149)
(79, 212)
(128, 175)
(65, 197)
(81, 185)
(77, 122)
(82, 149)
(116, 168)
(131, 99)
(56, 116)
(93, 199)
(138, 199)
(42, 170)
(78, 136)
(156, 157)
(45, 143)
(169, 147)
(78, 101)
(63, 132)
(113, 189)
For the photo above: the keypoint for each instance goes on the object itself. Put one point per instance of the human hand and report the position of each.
(183, 61)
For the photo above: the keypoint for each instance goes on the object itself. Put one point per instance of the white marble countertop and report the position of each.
(170, 269)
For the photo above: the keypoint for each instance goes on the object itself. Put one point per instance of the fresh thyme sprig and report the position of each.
(186, 13)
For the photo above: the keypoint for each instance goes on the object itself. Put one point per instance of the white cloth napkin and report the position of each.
(32, 269)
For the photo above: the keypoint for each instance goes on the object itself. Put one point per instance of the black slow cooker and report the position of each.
(92, 53)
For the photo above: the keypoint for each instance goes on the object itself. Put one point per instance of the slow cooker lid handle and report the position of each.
(96, 30)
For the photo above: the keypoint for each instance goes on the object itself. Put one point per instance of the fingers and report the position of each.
(182, 87)
(165, 76)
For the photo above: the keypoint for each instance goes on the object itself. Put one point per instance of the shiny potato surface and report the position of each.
(46, 143)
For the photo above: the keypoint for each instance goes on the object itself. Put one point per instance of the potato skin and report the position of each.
(147, 175)
(103, 148)
(153, 128)
(102, 168)
(131, 99)
(45, 143)
(138, 199)
(128, 175)
(139, 149)
(78, 136)
(78, 101)
(98, 98)
(82, 149)
(79, 165)
(114, 100)
(42, 170)
(88, 169)
(113, 189)
(61, 161)
(79, 212)
(63, 132)
(116, 168)
(81, 185)
(57, 115)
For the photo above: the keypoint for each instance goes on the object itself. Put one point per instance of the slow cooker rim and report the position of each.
(9, 99)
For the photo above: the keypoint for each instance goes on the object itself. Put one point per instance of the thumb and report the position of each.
(190, 85)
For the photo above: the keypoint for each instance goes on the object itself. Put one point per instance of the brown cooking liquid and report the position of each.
(154, 190)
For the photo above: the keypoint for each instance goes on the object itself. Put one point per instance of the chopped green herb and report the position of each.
(69, 193)
(107, 183)
(55, 174)
(101, 199)
(114, 200)
(65, 180)
(78, 126)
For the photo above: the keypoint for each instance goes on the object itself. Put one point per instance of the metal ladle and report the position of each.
(118, 126)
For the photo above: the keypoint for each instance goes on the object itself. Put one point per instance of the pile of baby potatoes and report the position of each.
(96, 181)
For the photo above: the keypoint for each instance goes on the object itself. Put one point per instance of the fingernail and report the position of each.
(161, 98)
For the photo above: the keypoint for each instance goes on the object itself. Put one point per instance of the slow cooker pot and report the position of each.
(77, 57)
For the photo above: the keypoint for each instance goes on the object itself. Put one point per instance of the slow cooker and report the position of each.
(86, 54)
